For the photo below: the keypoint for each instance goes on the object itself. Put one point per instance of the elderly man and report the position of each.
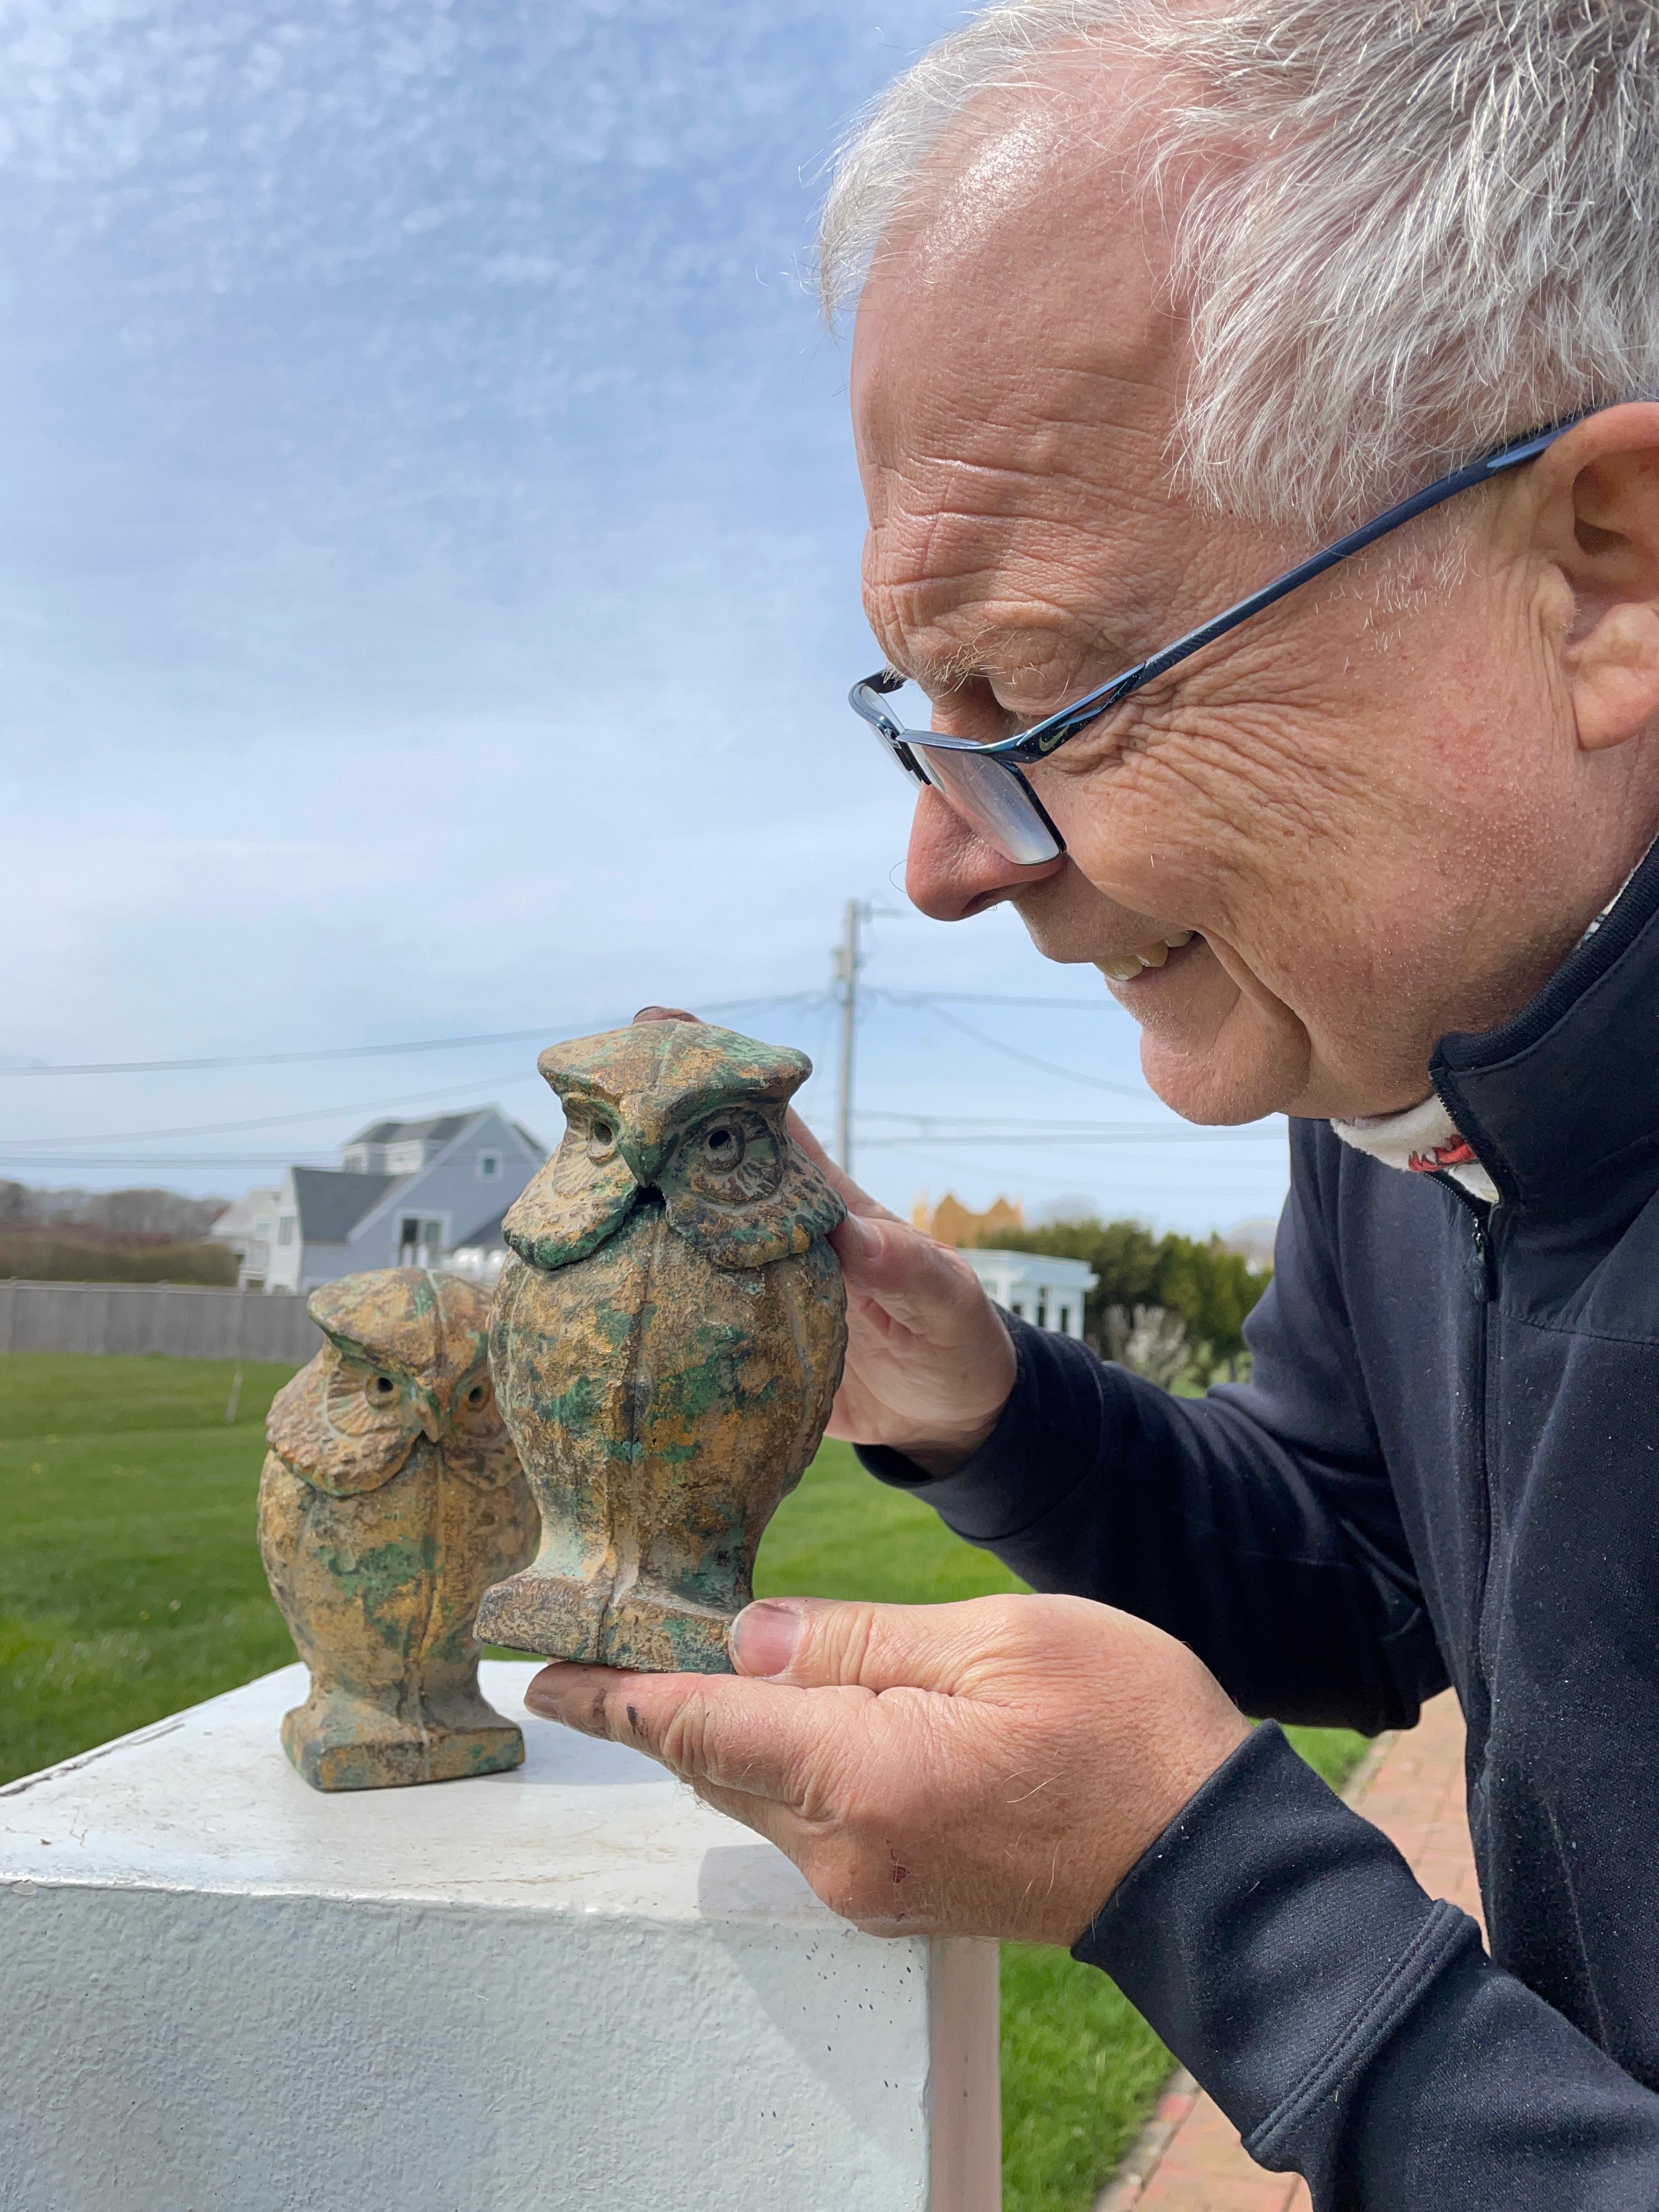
(1156, 300)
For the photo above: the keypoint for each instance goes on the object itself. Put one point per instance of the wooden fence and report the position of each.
(177, 1318)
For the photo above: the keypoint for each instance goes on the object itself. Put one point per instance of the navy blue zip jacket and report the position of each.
(1445, 1469)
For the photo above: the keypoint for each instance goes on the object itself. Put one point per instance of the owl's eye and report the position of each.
(733, 1160)
(601, 1141)
(383, 1390)
(723, 1148)
(478, 1394)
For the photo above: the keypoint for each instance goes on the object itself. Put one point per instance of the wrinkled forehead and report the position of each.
(1015, 377)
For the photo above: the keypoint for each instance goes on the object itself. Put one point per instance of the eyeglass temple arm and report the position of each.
(1393, 518)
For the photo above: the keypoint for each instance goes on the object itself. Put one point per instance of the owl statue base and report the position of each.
(338, 1742)
(666, 1340)
(559, 1618)
(390, 1497)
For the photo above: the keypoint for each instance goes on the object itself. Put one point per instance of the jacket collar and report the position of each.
(1554, 1095)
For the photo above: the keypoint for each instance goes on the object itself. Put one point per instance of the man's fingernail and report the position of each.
(867, 1240)
(540, 1698)
(764, 1636)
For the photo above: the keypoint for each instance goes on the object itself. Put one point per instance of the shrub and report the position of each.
(35, 1256)
(1211, 1287)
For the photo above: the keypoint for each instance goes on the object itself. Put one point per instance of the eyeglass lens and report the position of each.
(993, 800)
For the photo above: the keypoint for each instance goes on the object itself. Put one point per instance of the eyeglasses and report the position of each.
(984, 783)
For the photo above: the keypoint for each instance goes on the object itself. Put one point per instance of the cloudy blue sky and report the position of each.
(428, 547)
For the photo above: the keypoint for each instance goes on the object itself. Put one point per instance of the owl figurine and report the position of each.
(667, 1337)
(391, 1497)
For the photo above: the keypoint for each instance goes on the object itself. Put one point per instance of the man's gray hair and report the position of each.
(1409, 229)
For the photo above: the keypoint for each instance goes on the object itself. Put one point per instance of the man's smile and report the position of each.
(1128, 967)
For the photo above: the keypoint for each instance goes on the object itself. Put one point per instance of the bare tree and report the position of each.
(1149, 1340)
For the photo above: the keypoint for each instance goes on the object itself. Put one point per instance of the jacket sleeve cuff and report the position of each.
(1275, 1941)
(1065, 1401)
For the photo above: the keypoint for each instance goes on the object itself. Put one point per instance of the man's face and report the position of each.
(1353, 815)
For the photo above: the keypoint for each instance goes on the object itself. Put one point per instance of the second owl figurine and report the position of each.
(667, 1340)
(391, 1496)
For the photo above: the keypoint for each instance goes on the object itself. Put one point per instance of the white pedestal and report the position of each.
(573, 1987)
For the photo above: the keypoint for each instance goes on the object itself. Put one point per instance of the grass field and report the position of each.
(129, 1586)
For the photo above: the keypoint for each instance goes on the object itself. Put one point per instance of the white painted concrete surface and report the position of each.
(573, 1987)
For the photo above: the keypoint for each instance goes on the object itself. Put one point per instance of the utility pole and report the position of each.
(844, 964)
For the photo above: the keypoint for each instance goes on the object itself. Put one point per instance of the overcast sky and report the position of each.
(428, 547)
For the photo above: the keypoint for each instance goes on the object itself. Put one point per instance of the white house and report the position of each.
(405, 1194)
(249, 1227)
(1033, 1286)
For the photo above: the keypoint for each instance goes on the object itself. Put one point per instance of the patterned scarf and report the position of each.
(1423, 1141)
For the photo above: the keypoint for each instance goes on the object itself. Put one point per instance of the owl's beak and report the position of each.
(645, 1151)
(433, 1417)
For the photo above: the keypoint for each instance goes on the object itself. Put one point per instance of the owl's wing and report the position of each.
(337, 1430)
(740, 1191)
(579, 1198)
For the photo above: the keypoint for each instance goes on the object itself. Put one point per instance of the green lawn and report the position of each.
(129, 1586)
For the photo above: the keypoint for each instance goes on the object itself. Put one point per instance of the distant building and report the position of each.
(1254, 1242)
(950, 1222)
(405, 1194)
(481, 1256)
(1034, 1287)
(248, 1226)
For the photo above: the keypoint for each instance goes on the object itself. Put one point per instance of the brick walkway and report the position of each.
(1189, 2158)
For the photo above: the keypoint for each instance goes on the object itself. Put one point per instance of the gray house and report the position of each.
(405, 1194)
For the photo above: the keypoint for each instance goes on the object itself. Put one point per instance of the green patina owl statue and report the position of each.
(667, 1340)
(391, 1497)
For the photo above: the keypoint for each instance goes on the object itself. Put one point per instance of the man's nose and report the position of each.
(951, 873)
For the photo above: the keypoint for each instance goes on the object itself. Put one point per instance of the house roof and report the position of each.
(436, 1129)
(488, 1236)
(1034, 1270)
(241, 1213)
(332, 1202)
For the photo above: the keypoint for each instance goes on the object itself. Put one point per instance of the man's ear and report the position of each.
(1598, 523)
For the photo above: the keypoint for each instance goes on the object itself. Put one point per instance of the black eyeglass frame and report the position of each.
(1029, 746)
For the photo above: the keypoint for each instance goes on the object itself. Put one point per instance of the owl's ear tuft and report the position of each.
(570, 1208)
(422, 1327)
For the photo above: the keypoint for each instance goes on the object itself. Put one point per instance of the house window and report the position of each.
(490, 1166)
(419, 1242)
(1042, 1313)
(1017, 1310)
(285, 1230)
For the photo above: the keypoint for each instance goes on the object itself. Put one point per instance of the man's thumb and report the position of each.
(816, 1642)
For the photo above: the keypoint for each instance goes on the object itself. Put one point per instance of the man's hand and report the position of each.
(988, 1769)
(929, 1360)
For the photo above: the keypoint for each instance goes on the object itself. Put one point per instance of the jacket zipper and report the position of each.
(1479, 1224)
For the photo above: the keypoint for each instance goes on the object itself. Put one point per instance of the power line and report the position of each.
(1027, 1174)
(927, 1127)
(69, 1162)
(1031, 1060)
(1152, 1134)
(273, 1121)
(203, 1062)
(1075, 1005)
(543, 1032)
